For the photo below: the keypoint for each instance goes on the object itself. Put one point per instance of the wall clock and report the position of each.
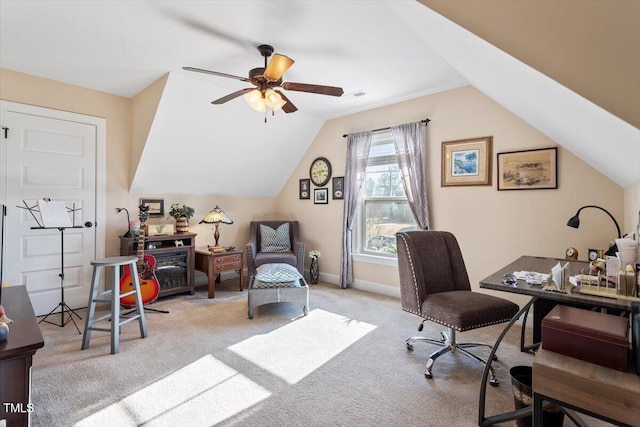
(320, 171)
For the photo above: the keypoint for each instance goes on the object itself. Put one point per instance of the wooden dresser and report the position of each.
(16, 356)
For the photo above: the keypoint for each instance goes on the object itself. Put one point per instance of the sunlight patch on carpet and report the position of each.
(294, 351)
(203, 393)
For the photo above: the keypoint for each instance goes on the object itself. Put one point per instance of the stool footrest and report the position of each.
(107, 292)
(101, 318)
(95, 328)
(124, 294)
(124, 320)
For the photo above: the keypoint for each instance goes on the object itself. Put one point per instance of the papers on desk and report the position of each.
(531, 277)
(560, 280)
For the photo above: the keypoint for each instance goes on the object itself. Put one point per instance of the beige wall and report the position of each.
(493, 227)
(118, 112)
(631, 208)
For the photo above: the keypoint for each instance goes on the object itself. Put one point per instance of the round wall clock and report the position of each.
(320, 171)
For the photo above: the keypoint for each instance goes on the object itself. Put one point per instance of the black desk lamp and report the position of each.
(575, 223)
(128, 233)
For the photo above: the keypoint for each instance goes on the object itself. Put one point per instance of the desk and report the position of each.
(543, 302)
(598, 391)
(16, 355)
(546, 300)
(215, 263)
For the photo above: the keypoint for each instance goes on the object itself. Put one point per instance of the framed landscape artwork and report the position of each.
(466, 162)
(156, 206)
(528, 169)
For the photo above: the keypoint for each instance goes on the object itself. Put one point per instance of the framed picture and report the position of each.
(156, 206)
(321, 196)
(337, 188)
(467, 162)
(528, 169)
(305, 189)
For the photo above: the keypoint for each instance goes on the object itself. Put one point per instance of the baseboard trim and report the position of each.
(363, 285)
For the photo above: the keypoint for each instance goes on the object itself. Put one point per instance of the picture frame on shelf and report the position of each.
(467, 162)
(337, 188)
(535, 169)
(304, 189)
(321, 196)
(156, 206)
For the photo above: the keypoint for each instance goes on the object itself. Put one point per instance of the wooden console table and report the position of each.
(174, 264)
(595, 390)
(16, 356)
(216, 263)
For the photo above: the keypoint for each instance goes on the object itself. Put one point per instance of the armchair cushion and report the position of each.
(275, 240)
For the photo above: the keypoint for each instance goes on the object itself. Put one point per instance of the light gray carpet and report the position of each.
(206, 363)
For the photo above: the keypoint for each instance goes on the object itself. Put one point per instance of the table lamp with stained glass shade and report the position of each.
(216, 216)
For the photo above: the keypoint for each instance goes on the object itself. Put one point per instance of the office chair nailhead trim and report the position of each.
(413, 275)
(495, 322)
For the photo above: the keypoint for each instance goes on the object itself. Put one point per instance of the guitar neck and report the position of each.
(140, 251)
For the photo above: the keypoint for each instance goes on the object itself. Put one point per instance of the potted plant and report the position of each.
(314, 271)
(181, 214)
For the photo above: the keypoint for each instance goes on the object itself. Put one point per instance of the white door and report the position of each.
(51, 154)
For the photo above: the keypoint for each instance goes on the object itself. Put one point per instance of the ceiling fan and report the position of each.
(266, 81)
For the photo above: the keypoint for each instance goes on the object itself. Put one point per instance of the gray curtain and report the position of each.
(409, 142)
(357, 155)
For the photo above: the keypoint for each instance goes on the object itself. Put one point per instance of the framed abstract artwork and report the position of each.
(467, 162)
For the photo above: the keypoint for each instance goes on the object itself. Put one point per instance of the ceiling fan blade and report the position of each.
(288, 107)
(322, 90)
(278, 65)
(215, 73)
(232, 96)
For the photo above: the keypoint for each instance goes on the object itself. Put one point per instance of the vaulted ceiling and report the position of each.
(388, 50)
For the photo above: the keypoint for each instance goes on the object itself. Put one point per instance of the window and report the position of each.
(384, 209)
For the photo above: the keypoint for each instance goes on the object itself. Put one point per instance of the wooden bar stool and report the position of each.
(94, 297)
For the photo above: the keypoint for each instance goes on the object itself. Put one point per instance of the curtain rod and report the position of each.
(425, 121)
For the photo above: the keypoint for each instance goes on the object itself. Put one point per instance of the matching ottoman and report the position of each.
(277, 283)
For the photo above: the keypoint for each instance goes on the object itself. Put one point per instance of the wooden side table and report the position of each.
(214, 264)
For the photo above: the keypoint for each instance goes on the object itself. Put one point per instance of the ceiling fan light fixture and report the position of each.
(273, 99)
(278, 65)
(255, 100)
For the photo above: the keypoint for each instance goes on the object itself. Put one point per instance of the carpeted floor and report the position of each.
(205, 363)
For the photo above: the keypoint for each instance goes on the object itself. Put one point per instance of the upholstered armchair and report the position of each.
(270, 242)
(434, 285)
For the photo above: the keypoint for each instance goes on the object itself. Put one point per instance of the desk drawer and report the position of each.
(235, 265)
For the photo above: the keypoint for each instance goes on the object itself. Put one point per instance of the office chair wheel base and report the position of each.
(409, 347)
(493, 381)
(428, 374)
(494, 358)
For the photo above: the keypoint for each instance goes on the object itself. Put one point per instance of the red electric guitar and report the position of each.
(146, 265)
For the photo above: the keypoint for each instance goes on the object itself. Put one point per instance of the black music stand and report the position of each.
(62, 304)
(64, 308)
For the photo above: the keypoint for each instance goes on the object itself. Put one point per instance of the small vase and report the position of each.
(314, 271)
(182, 224)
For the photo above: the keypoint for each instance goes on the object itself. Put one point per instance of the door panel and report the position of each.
(50, 157)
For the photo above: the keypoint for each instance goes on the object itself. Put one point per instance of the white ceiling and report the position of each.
(386, 49)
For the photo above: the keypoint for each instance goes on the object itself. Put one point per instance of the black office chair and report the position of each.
(435, 286)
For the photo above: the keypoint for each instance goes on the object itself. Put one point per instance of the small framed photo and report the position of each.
(466, 162)
(337, 188)
(156, 206)
(305, 189)
(321, 196)
(528, 169)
